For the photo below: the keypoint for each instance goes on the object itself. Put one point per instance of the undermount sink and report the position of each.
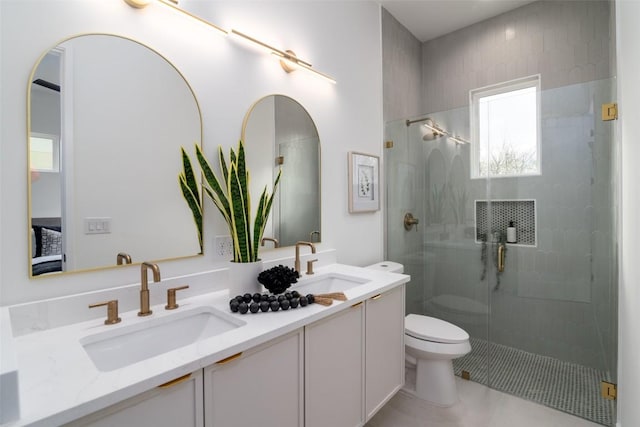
(324, 284)
(126, 345)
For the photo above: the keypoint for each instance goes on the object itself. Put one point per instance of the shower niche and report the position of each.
(492, 219)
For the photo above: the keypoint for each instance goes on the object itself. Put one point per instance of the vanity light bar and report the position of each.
(292, 63)
(269, 48)
(139, 4)
(174, 5)
(288, 59)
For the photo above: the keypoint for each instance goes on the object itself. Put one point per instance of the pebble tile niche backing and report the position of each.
(521, 212)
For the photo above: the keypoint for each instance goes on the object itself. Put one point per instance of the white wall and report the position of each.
(628, 35)
(227, 78)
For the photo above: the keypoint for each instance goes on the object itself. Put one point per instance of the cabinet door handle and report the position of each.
(376, 296)
(228, 359)
(175, 381)
(358, 304)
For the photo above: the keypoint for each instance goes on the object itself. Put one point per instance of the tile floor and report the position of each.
(566, 386)
(479, 406)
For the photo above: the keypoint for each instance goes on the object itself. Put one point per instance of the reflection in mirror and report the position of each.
(107, 117)
(279, 133)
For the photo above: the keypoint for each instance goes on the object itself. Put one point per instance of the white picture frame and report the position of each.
(364, 182)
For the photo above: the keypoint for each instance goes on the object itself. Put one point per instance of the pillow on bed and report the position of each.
(51, 242)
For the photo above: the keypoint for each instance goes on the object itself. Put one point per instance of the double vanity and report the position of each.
(170, 352)
(200, 364)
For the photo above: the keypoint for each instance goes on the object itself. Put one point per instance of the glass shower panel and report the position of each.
(427, 173)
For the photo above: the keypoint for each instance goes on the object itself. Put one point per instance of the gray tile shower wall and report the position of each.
(566, 42)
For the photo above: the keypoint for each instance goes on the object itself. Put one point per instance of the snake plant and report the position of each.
(191, 193)
(231, 196)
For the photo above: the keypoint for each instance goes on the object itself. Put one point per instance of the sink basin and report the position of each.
(126, 345)
(328, 283)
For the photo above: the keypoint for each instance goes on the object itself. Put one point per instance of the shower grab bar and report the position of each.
(501, 251)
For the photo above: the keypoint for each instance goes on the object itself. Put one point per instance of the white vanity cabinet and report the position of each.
(384, 342)
(262, 386)
(176, 403)
(334, 360)
(354, 361)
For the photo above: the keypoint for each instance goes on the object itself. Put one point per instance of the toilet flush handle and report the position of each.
(410, 221)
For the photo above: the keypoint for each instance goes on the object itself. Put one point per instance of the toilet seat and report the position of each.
(434, 330)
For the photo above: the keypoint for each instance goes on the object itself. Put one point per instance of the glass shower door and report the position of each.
(551, 328)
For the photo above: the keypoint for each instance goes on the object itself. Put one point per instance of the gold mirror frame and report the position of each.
(195, 114)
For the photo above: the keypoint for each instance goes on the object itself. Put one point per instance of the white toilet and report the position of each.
(431, 344)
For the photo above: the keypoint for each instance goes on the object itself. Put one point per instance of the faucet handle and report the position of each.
(112, 311)
(171, 297)
(310, 265)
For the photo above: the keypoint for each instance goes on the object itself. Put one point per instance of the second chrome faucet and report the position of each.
(144, 286)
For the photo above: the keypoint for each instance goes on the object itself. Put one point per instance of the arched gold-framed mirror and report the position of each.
(107, 116)
(280, 133)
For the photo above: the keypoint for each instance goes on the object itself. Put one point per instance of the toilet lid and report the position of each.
(432, 329)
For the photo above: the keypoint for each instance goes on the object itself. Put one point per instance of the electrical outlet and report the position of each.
(223, 247)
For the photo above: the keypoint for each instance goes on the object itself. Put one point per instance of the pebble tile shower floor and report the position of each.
(569, 387)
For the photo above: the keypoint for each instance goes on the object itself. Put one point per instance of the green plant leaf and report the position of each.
(243, 176)
(189, 176)
(223, 165)
(194, 204)
(242, 244)
(216, 193)
(260, 221)
(191, 193)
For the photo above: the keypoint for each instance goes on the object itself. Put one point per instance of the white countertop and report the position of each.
(59, 383)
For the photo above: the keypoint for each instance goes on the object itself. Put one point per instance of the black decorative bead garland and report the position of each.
(264, 302)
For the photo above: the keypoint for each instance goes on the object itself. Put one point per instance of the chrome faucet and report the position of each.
(144, 286)
(298, 244)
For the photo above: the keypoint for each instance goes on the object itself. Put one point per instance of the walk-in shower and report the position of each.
(543, 328)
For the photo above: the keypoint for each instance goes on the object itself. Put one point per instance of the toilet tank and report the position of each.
(390, 266)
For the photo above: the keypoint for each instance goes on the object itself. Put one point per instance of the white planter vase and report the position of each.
(243, 278)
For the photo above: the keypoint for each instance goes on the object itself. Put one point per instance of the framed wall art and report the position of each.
(364, 183)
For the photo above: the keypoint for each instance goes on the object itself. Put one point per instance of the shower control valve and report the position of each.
(410, 221)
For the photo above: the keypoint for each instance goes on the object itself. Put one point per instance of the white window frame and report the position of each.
(474, 97)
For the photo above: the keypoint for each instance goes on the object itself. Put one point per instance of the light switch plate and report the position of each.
(97, 225)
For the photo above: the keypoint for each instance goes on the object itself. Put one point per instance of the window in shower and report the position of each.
(505, 126)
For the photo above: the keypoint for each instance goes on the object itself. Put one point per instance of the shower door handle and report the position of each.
(501, 257)
(410, 221)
